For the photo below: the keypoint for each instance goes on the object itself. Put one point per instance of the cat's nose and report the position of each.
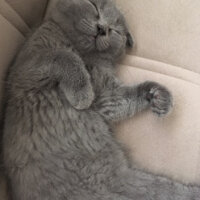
(102, 30)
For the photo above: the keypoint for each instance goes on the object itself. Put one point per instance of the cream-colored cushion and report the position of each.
(169, 145)
(167, 35)
(10, 40)
(12, 17)
(31, 11)
(16, 19)
(168, 32)
(3, 188)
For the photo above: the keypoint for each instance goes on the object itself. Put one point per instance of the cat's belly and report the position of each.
(87, 146)
(82, 146)
(57, 142)
(86, 130)
(46, 125)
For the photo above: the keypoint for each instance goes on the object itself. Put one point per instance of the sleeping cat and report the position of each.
(62, 99)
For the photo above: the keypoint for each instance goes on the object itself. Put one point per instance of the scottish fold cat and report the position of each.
(62, 100)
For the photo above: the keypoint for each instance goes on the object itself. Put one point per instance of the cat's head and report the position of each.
(94, 25)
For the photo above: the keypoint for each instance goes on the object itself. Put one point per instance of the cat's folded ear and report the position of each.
(129, 40)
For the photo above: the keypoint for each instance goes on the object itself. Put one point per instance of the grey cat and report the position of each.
(62, 100)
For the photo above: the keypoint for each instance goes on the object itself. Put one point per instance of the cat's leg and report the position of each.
(76, 84)
(121, 102)
(62, 69)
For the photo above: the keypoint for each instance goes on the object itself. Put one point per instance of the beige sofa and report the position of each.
(167, 35)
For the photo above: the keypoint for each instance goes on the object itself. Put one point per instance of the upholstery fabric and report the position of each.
(16, 19)
(166, 31)
(31, 11)
(167, 35)
(10, 40)
(169, 145)
(3, 188)
(11, 16)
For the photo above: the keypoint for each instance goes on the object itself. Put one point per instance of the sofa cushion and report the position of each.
(10, 41)
(13, 17)
(31, 11)
(15, 24)
(166, 31)
(3, 190)
(169, 145)
(16, 18)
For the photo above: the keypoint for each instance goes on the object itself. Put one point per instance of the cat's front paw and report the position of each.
(83, 98)
(160, 98)
(80, 96)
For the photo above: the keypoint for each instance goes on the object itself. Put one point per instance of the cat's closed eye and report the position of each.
(95, 7)
(118, 21)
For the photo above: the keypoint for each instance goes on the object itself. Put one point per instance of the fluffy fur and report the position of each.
(62, 99)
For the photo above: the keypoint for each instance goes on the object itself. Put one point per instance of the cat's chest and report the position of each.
(84, 131)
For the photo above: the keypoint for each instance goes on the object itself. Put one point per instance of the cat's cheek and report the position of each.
(102, 43)
(117, 44)
(86, 27)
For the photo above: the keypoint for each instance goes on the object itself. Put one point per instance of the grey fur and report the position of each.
(62, 99)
